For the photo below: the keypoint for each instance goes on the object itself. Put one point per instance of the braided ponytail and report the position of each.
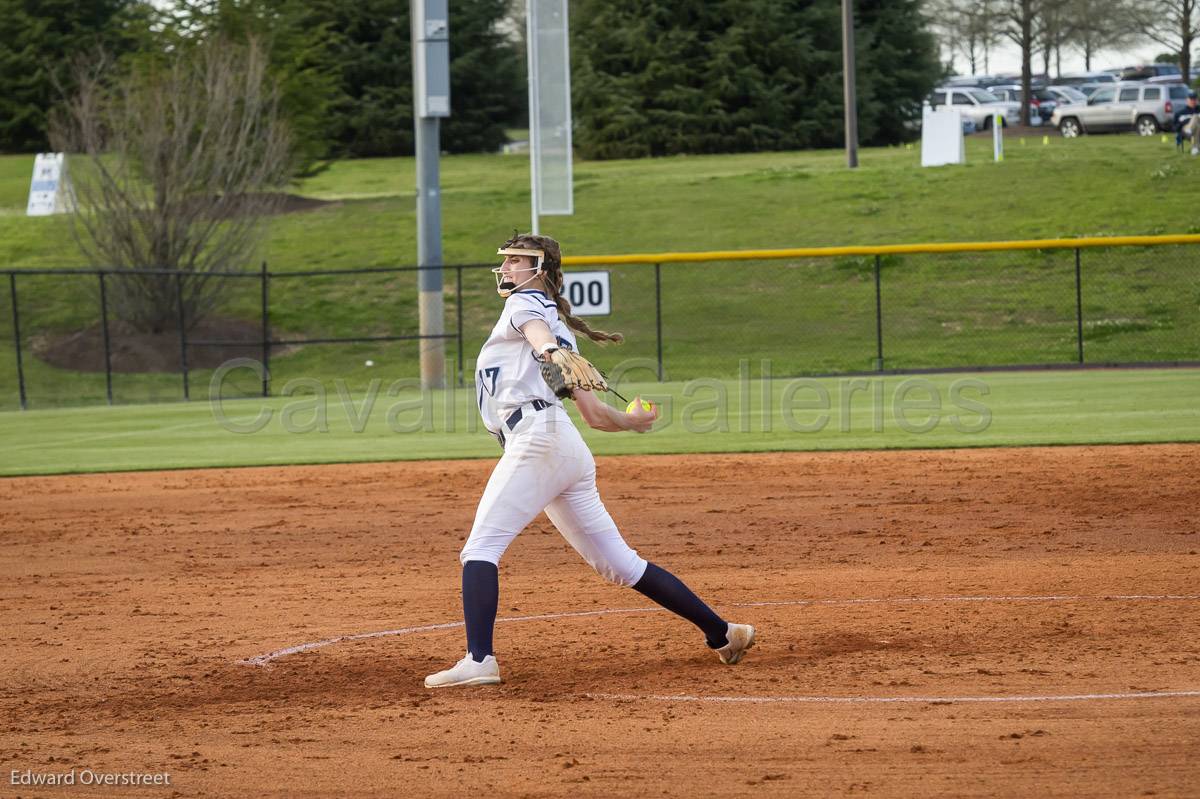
(553, 278)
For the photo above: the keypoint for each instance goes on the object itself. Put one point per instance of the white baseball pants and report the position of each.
(547, 466)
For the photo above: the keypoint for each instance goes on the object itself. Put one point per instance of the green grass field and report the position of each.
(1099, 185)
(807, 317)
(976, 410)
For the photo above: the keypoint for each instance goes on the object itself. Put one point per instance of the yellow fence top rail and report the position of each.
(884, 249)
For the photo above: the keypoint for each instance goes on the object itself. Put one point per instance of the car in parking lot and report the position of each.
(975, 104)
(1174, 77)
(1088, 89)
(1142, 107)
(978, 81)
(1066, 95)
(915, 124)
(1042, 105)
(1082, 78)
(1150, 71)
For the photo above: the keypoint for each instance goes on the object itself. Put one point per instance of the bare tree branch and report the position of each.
(1174, 24)
(967, 27)
(1058, 26)
(1100, 25)
(181, 162)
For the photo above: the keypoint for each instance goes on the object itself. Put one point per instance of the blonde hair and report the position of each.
(552, 276)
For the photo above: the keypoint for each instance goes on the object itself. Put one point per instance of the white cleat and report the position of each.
(741, 638)
(1196, 151)
(466, 672)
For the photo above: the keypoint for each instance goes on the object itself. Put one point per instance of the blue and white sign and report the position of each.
(588, 292)
(48, 191)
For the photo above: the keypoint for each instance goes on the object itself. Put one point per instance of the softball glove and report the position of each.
(567, 371)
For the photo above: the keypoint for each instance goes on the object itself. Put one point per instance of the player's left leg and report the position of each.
(530, 473)
(581, 517)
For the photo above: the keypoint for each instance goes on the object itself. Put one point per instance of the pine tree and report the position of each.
(679, 76)
(344, 69)
(897, 67)
(41, 40)
(487, 79)
(372, 113)
(300, 50)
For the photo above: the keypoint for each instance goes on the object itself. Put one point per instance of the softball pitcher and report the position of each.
(527, 365)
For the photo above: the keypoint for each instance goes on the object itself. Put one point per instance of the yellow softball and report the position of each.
(645, 406)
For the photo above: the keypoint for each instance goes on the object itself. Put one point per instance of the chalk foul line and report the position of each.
(264, 659)
(878, 700)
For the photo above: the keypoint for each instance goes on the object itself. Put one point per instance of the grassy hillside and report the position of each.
(805, 317)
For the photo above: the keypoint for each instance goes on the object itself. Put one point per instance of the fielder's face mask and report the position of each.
(505, 286)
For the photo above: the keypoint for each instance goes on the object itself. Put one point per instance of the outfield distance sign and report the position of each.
(588, 292)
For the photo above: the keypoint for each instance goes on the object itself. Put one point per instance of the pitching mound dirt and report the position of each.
(1018, 622)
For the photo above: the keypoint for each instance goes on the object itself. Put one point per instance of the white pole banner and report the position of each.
(549, 107)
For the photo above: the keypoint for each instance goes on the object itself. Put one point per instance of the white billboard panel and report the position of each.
(549, 107)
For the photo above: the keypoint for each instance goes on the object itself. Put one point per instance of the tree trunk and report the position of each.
(1026, 57)
(1185, 39)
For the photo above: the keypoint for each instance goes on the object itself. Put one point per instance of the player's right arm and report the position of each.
(538, 334)
(601, 416)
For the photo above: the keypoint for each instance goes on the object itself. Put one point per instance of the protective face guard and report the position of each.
(506, 289)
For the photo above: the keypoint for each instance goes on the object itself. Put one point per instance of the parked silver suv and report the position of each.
(1146, 108)
(977, 105)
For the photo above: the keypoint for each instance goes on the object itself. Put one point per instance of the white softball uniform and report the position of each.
(546, 464)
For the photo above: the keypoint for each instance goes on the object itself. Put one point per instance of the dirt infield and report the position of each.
(897, 595)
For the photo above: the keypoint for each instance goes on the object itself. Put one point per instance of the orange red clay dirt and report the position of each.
(128, 600)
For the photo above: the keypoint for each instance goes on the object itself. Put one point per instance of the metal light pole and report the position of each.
(849, 96)
(431, 101)
(532, 63)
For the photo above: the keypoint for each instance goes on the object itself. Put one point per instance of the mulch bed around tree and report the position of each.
(135, 351)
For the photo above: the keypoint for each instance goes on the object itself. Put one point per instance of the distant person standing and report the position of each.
(1187, 123)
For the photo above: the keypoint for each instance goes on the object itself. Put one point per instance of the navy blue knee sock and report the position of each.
(481, 595)
(669, 591)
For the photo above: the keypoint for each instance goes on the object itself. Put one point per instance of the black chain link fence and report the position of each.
(1035, 308)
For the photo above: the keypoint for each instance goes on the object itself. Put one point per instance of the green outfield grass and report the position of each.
(807, 317)
(977, 410)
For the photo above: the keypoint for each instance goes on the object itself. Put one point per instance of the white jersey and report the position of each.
(507, 373)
